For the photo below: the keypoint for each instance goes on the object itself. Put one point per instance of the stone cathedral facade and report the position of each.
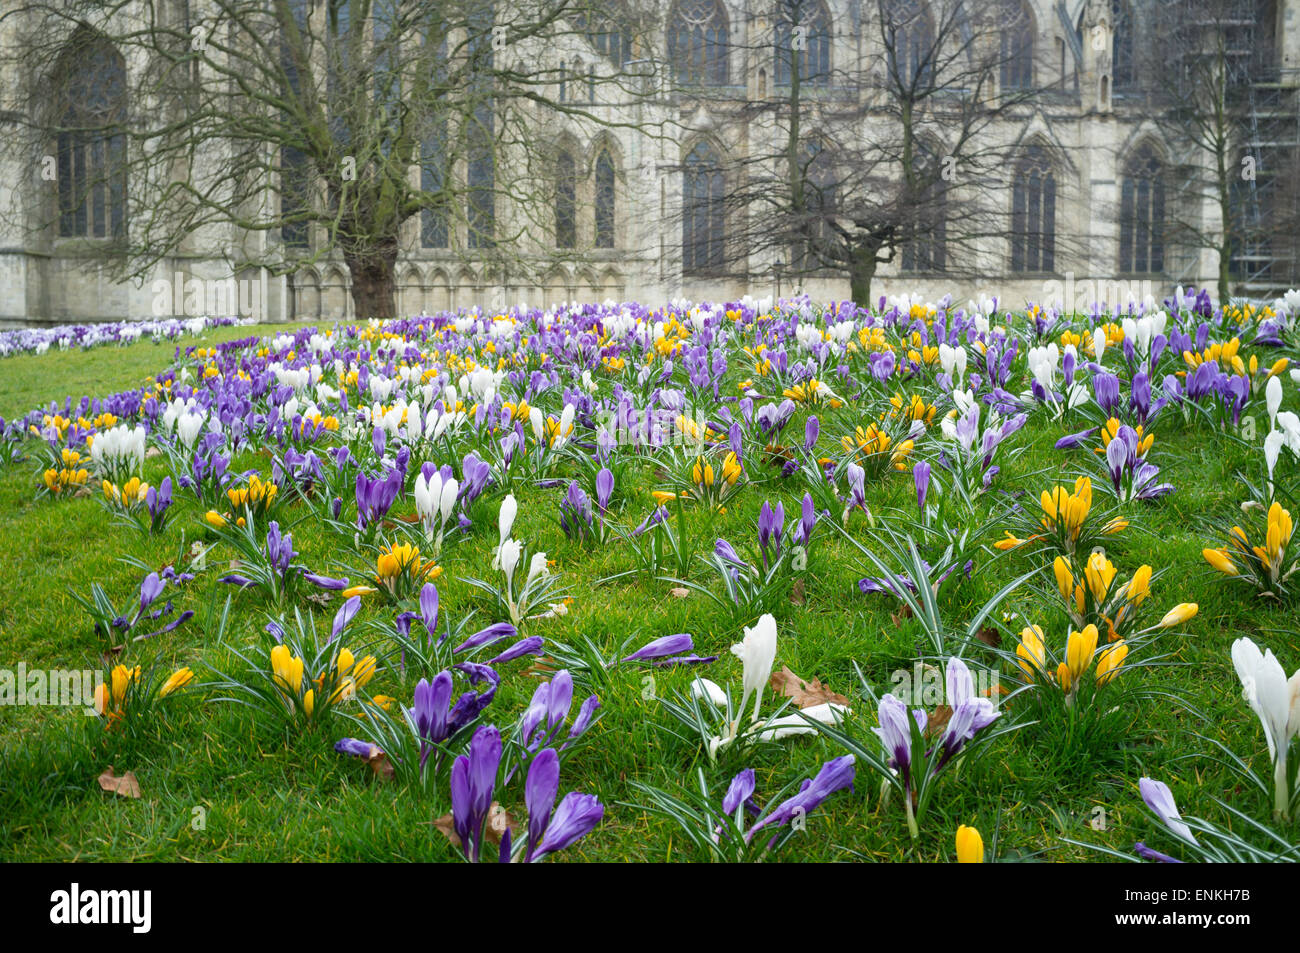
(1085, 149)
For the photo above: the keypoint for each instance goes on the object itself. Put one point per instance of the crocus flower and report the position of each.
(921, 477)
(575, 818)
(835, 775)
(1276, 702)
(473, 779)
(1160, 799)
(662, 647)
(970, 846)
(757, 651)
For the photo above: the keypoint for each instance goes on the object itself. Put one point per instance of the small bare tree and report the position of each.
(891, 156)
(306, 129)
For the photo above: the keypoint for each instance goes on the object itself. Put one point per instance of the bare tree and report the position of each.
(307, 129)
(1221, 58)
(890, 156)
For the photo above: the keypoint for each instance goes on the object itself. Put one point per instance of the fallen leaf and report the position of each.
(499, 820)
(796, 592)
(938, 721)
(81, 492)
(152, 452)
(805, 694)
(679, 592)
(379, 764)
(990, 636)
(904, 612)
(126, 785)
(320, 598)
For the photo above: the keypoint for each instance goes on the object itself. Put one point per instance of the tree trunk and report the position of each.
(374, 284)
(861, 271)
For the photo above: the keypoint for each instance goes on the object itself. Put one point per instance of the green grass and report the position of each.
(266, 796)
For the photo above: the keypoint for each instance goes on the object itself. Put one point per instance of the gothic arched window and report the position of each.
(566, 201)
(703, 229)
(604, 200)
(803, 34)
(909, 42)
(1033, 213)
(1122, 71)
(924, 240)
(1017, 33)
(697, 42)
(1142, 215)
(90, 146)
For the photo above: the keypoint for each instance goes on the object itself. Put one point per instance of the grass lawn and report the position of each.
(220, 782)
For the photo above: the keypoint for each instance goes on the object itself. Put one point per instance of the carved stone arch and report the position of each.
(410, 291)
(439, 291)
(586, 285)
(611, 285)
(307, 293)
(465, 290)
(336, 297)
(556, 287)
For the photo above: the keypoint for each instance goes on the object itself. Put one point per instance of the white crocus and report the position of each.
(757, 650)
(508, 557)
(188, 426)
(1273, 399)
(711, 691)
(538, 423)
(506, 517)
(827, 713)
(1277, 703)
(536, 569)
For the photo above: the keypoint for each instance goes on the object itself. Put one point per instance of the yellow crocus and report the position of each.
(1179, 614)
(1110, 660)
(1030, 651)
(1099, 574)
(970, 846)
(1139, 587)
(1079, 650)
(1218, 559)
(287, 668)
(1064, 578)
(176, 681)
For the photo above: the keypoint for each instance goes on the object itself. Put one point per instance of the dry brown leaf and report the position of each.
(379, 764)
(904, 612)
(152, 452)
(804, 694)
(81, 492)
(320, 598)
(126, 785)
(938, 721)
(679, 592)
(990, 636)
(499, 820)
(796, 592)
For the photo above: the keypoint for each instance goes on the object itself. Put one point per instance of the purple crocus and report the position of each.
(529, 646)
(739, 791)
(835, 775)
(771, 527)
(604, 489)
(811, 430)
(540, 790)
(921, 477)
(473, 779)
(346, 612)
(895, 733)
(1160, 799)
(493, 633)
(575, 818)
(803, 530)
(662, 647)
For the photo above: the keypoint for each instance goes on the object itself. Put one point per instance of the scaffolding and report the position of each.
(1266, 199)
